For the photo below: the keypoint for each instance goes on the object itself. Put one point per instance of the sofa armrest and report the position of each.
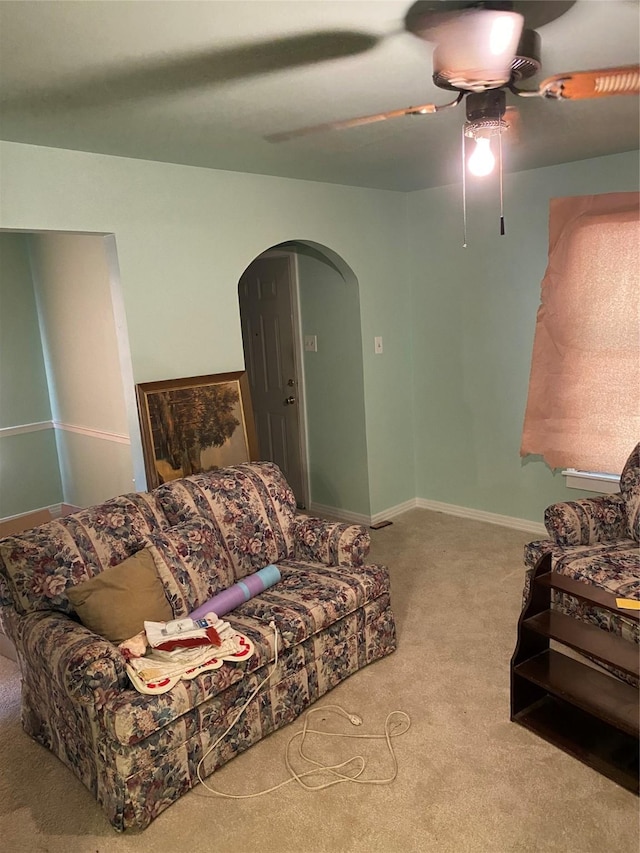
(587, 521)
(331, 543)
(86, 667)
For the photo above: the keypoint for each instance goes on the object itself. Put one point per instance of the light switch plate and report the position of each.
(377, 345)
(311, 343)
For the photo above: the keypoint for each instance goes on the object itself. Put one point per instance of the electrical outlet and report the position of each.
(377, 345)
(311, 343)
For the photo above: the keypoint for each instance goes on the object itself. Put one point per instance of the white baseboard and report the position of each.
(14, 525)
(393, 511)
(25, 515)
(360, 518)
(340, 514)
(56, 511)
(11, 525)
(533, 527)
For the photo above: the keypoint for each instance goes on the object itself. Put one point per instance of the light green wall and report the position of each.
(444, 404)
(474, 313)
(330, 309)
(184, 235)
(24, 395)
(29, 474)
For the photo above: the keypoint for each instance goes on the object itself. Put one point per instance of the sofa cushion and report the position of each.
(191, 563)
(116, 602)
(41, 563)
(161, 724)
(310, 601)
(251, 505)
(613, 568)
(630, 488)
(310, 598)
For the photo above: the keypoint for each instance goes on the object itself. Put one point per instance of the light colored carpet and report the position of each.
(469, 779)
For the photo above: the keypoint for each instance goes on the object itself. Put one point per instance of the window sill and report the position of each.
(607, 484)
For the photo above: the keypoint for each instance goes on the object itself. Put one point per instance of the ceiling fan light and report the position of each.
(474, 50)
(482, 161)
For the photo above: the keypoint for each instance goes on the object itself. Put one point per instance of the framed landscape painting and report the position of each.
(196, 424)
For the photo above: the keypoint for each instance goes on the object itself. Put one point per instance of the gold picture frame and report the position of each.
(195, 424)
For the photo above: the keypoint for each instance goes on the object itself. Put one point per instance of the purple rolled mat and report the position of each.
(235, 595)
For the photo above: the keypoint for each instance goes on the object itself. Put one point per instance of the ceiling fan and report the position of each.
(482, 49)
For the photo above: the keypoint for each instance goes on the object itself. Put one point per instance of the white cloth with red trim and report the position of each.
(185, 633)
(179, 650)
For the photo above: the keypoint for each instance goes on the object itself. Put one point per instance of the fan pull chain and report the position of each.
(501, 191)
(464, 192)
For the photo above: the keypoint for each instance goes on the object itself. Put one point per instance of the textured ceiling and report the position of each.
(203, 83)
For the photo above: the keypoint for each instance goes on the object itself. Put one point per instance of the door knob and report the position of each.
(289, 401)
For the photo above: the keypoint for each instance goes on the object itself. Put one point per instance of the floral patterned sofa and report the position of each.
(138, 753)
(596, 541)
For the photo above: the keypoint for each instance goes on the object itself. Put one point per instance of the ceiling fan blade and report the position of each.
(161, 76)
(580, 85)
(422, 109)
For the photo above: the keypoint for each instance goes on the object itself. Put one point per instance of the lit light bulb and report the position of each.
(482, 161)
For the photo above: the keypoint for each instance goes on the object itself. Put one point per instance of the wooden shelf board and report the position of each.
(587, 592)
(604, 748)
(594, 641)
(604, 696)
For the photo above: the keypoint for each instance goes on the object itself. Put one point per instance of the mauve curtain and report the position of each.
(583, 408)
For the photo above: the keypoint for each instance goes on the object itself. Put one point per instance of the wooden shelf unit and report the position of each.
(587, 712)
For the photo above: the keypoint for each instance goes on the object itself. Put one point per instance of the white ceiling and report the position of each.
(184, 82)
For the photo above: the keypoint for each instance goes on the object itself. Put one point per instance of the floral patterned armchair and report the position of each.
(596, 540)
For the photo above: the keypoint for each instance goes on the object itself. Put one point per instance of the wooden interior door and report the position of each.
(266, 308)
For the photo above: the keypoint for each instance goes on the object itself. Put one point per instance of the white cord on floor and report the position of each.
(399, 727)
(272, 625)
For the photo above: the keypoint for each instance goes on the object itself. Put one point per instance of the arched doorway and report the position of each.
(300, 314)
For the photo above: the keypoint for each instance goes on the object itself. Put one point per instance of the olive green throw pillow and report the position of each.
(115, 603)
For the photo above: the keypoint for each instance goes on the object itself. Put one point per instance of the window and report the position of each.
(583, 408)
